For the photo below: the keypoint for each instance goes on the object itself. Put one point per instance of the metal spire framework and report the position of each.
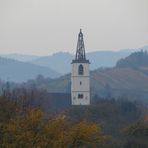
(80, 53)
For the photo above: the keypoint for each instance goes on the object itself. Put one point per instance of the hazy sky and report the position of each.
(43, 27)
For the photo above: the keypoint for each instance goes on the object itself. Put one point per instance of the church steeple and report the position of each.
(80, 80)
(80, 51)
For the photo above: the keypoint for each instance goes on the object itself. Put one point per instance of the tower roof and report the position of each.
(80, 52)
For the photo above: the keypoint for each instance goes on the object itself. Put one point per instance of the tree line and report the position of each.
(108, 123)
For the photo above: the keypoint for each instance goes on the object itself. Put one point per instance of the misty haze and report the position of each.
(73, 74)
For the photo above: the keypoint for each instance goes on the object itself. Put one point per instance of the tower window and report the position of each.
(80, 96)
(80, 83)
(81, 70)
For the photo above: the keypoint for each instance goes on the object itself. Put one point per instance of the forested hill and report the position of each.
(136, 59)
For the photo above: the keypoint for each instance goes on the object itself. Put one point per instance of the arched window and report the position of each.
(81, 70)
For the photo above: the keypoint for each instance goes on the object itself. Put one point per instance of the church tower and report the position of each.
(80, 81)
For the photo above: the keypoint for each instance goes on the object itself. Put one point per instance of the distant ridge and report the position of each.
(97, 59)
(13, 70)
(20, 57)
(60, 62)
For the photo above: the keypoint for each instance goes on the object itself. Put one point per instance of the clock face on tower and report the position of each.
(80, 85)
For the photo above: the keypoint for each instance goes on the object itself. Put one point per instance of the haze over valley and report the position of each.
(73, 73)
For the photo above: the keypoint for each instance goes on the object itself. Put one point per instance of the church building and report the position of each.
(80, 77)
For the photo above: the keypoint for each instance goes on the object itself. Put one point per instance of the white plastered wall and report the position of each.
(80, 85)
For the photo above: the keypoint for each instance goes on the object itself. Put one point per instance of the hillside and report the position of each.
(112, 82)
(13, 70)
(116, 82)
(136, 59)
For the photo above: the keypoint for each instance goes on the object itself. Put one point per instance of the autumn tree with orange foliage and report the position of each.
(34, 131)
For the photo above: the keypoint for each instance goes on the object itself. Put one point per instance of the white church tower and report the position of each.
(80, 81)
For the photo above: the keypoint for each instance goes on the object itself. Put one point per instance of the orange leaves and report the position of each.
(85, 134)
(33, 131)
